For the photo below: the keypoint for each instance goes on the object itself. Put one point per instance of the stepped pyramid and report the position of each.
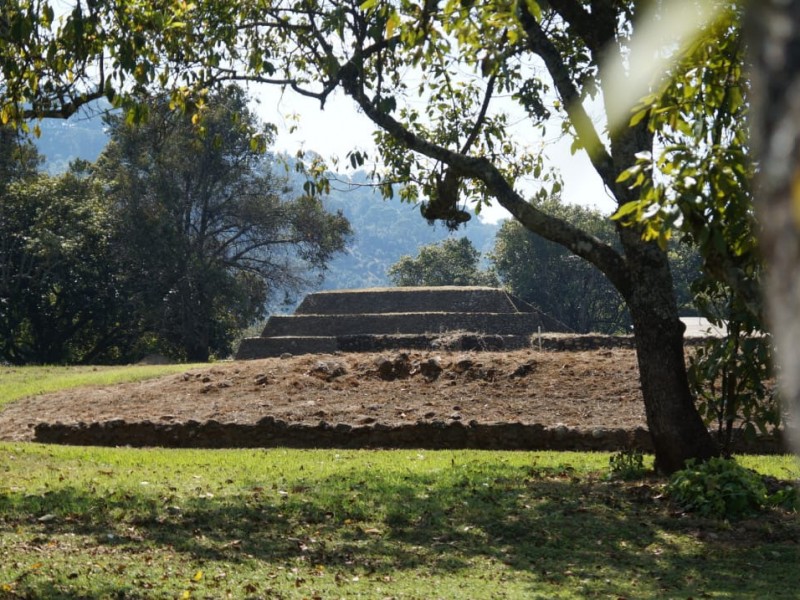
(406, 317)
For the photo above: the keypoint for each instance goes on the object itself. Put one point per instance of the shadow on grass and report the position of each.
(550, 526)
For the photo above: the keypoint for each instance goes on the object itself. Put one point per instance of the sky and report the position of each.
(339, 128)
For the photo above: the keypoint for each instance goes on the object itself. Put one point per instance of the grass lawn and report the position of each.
(97, 523)
(126, 523)
(18, 382)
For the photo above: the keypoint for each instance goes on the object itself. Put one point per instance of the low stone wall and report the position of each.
(434, 435)
(262, 347)
(401, 323)
(560, 342)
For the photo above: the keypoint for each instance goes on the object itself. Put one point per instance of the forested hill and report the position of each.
(63, 141)
(384, 230)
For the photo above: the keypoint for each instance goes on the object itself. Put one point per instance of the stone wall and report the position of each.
(402, 323)
(272, 433)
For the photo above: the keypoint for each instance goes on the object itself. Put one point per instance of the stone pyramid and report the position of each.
(405, 317)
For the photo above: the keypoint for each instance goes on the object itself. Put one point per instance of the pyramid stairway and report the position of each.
(412, 317)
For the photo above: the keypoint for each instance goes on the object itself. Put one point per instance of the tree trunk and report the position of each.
(774, 43)
(676, 428)
(196, 353)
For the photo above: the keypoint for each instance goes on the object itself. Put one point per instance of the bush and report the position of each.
(627, 465)
(723, 489)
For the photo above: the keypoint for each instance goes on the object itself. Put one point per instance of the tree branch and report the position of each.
(540, 44)
(63, 110)
(603, 256)
(476, 128)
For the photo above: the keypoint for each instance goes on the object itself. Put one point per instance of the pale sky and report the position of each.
(339, 128)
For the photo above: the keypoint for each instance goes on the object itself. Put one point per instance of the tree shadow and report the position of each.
(546, 525)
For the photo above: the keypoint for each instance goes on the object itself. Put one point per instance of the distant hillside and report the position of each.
(81, 136)
(384, 230)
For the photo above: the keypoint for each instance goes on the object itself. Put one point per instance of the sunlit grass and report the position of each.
(18, 382)
(99, 522)
(782, 467)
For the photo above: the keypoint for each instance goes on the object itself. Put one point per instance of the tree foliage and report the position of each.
(454, 261)
(698, 178)
(172, 242)
(19, 159)
(731, 374)
(206, 237)
(58, 286)
(554, 280)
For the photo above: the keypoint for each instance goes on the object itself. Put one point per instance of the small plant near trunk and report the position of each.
(627, 465)
(731, 376)
(723, 489)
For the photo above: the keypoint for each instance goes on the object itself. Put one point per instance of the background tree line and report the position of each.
(171, 242)
(544, 273)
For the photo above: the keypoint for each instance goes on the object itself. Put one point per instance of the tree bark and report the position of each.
(675, 426)
(774, 44)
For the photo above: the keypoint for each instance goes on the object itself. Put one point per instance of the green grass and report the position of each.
(125, 523)
(18, 382)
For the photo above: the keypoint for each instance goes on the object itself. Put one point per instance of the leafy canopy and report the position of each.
(172, 241)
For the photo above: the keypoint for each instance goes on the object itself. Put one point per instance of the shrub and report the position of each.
(626, 465)
(723, 489)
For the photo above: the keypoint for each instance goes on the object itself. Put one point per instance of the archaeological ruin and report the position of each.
(448, 317)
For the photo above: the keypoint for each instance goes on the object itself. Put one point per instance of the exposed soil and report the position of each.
(583, 390)
(523, 399)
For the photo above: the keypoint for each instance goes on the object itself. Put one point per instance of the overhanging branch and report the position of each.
(540, 44)
(582, 244)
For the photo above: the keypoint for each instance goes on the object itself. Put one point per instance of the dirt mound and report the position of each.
(585, 390)
(522, 399)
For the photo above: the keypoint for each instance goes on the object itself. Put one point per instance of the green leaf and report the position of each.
(626, 209)
(627, 174)
(392, 23)
(638, 116)
(534, 8)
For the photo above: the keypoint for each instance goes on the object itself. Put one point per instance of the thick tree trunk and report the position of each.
(197, 354)
(675, 425)
(774, 43)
